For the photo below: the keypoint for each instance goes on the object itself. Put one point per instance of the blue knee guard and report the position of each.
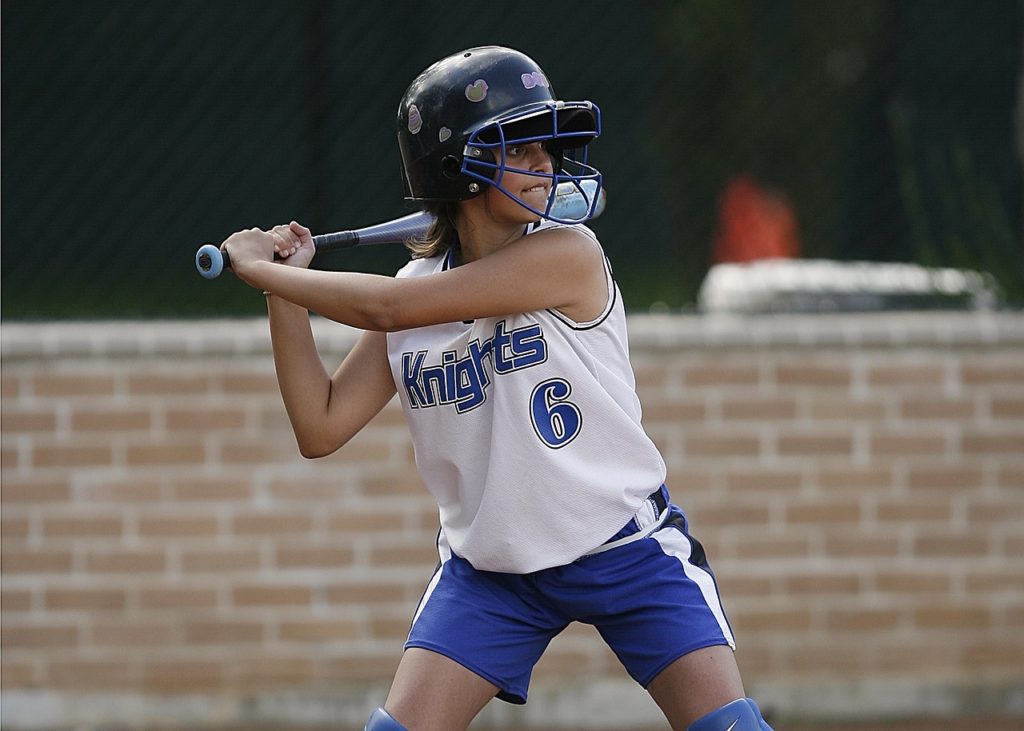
(740, 715)
(381, 720)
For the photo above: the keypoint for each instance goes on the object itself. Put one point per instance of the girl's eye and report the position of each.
(513, 150)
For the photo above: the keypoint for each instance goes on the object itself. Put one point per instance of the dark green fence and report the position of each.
(134, 131)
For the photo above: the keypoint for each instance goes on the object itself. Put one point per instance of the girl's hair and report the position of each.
(442, 234)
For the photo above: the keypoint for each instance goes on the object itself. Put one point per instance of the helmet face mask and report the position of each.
(459, 116)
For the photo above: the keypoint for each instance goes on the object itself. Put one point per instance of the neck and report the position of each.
(480, 234)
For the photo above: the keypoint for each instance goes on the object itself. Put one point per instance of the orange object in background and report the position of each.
(754, 223)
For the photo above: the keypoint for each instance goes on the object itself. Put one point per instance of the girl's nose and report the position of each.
(540, 160)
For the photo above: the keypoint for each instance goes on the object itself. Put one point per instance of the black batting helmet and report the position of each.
(456, 118)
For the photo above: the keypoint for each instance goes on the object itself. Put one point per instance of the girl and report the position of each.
(505, 340)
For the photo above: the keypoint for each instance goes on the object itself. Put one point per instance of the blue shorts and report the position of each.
(652, 599)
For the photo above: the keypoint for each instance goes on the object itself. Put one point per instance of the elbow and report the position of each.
(315, 448)
(384, 312)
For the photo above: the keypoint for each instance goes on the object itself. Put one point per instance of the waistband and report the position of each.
(648, 519)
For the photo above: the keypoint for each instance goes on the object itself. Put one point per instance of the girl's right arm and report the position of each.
(326, 411)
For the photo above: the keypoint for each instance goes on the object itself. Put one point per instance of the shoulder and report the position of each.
(421, 266)
(562, 229)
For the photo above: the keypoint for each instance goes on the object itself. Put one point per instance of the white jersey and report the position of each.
(526, 429)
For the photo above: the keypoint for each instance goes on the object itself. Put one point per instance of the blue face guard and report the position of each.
(565, 127)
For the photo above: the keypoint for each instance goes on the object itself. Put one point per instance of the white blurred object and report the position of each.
(820, 285)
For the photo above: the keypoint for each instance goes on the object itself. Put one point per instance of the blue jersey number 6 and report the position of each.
(556, 420)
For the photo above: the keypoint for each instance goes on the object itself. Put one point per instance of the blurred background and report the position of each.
(885, 131)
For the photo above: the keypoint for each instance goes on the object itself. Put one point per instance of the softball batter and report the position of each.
(505, 340)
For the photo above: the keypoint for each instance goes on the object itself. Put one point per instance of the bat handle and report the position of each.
(211, 261)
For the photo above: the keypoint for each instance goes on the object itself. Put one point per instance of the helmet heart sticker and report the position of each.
(477, 91)
(443, 134)
(415, 120)
(535, 79)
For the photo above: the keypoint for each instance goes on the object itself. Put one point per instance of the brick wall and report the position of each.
(167, 556)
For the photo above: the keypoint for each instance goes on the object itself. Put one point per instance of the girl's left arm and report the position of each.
(556, 269)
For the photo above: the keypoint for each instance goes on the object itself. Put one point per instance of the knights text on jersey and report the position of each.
(526, 429)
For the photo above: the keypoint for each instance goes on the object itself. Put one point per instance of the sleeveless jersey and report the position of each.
(526, 429)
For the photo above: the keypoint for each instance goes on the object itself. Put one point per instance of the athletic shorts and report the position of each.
(648, 590)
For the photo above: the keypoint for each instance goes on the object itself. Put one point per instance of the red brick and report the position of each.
(952, 616)
(75, 383)
(275, 672)
(810, 375)
(788, 619)
(361, 593)
(188, 452)
(992, 373)
(757, 480)
(250, 383)
(323, 630)
(843, 544)
(32, 489)
(987, 656)
(76, 674)
(936, 509)
(130, 634)
(818, 513)
(759, 409)
(1007, 407)
(1009, 443)
(270, 595)
(176, 676)
(119, 491)
(16, 635)
(108, 419)
(673, 410)
(71, 455)
(14, 528)
(906, 375)
(826, 407)
(15, 420)
(31, 561)
(954, 477)
(938, 409)
(821, 584)
(15, 600)
(163, 384)
(274, 523)
(98, 526)
(875, 478)
(326, 557)
(951, 545)
(820, 444)
(216, 559)
(205, 419)
(213, 489)
(722, 445)
(177, 526)
(861, 619)
(178, 597)
(86, 598)
(125, 562)
(911, 583)
(721, 374)
(902, 444)
(224, 632)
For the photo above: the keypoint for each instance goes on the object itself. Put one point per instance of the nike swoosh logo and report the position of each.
(732, 725)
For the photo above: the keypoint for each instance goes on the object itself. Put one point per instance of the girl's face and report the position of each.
(531, 189)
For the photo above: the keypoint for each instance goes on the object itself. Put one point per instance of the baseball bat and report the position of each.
(569, 203)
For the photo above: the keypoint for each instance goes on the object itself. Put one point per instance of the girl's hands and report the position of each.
(292, 244)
